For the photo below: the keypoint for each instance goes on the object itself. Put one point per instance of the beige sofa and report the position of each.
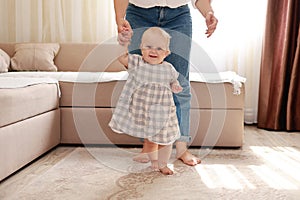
(38, 119)
(29, 126)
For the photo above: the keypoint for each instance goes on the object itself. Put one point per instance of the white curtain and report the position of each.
(236, 44)
(56, 20)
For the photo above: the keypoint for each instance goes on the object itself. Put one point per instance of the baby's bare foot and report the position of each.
(142, 158)
(166, 170)
(154, 165)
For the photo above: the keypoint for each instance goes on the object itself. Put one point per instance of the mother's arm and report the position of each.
(205, 8)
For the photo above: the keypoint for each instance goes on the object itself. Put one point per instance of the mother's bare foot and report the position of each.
(141, 157)
(189, 159)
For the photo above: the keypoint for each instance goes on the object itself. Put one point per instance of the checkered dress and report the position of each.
(146, 107)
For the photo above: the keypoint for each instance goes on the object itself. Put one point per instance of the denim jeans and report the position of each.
(177, 22)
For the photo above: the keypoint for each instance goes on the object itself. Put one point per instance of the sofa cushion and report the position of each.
(4, 61)
(89, 57)
(35, 57)
(22, 103)
(212, 95)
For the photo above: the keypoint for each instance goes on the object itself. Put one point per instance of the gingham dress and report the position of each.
(146, 107)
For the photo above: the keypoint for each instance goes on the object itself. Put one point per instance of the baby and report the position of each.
(146, 107)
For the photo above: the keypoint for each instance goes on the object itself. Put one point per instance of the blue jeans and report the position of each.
(178, 23)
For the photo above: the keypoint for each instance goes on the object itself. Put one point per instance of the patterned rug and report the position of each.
(253, 172)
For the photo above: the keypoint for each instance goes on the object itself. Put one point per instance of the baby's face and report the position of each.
(154, 55)
(154, 50)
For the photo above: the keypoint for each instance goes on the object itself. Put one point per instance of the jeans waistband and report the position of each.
(131, 4)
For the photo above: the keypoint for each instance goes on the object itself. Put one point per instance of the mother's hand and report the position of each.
(124, 32)
(211, 23)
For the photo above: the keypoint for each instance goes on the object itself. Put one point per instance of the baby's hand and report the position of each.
(124, 37)
(176, 88)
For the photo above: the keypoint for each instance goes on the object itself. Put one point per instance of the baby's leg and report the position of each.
(164, 153)
(142, 157)
(151, 149)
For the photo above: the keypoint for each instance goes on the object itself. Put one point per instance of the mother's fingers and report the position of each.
(211, 23)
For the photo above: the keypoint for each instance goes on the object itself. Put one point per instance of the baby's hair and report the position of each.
(156, 30)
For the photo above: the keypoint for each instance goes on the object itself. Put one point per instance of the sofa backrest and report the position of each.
(89, 57)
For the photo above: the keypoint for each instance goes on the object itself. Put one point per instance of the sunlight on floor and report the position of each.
(223, 176)
(281, 166)
(276, 168)
(272, 178)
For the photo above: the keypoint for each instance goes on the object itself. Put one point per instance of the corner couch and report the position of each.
(38, 117)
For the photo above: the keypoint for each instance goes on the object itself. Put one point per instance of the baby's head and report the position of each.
(155, 45)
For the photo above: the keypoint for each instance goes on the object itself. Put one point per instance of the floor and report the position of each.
(266, 167)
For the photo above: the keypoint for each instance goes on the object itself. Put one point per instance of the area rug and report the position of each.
(252, 172)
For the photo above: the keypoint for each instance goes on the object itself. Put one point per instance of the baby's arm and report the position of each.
(176, 87)
(123, 59)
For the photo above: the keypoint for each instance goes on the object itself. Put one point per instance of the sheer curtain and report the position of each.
(56, 20)
(236, 44)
